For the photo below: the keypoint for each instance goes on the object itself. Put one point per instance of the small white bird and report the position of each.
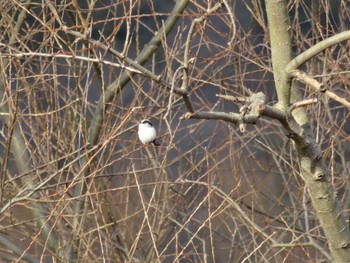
(147, 133)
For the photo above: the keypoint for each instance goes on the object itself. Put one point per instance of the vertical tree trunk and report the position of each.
(313, 169)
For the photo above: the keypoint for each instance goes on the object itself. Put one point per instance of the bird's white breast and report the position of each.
(146, 133)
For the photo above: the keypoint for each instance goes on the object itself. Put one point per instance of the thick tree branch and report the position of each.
(307, 79)
(281, 52)
(253, 107)
(313, 168)
(314, 50)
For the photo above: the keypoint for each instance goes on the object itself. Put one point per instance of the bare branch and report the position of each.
(316, 49)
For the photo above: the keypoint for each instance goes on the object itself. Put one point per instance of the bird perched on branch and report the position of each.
(147, 133)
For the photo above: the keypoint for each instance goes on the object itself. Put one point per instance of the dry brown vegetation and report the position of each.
(76, 77)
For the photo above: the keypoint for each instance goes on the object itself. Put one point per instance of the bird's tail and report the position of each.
(156, 143)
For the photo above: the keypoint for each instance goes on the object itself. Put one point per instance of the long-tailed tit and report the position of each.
(147, 133)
